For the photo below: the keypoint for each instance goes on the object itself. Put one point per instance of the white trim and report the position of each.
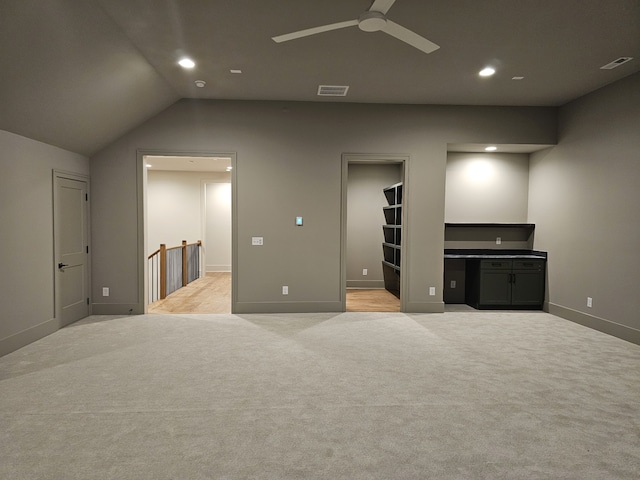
(218, 268)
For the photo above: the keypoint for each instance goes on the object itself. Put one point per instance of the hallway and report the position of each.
(212, 294)
(208, 294)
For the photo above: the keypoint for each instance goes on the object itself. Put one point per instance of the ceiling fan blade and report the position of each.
(382, 6)
(312, 31)
(407, 36)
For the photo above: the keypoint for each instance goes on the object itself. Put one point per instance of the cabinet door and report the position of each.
(528, 282)
(527, 287)
(495, 287)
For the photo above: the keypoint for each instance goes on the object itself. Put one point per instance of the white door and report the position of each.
(71, 248)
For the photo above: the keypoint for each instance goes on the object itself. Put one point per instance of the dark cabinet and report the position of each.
(494, 283)
(527, 285)
(392, 230)
(505, 283)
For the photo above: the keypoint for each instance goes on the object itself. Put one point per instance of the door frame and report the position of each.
(57, 302)
(141, 177)
(375, 158)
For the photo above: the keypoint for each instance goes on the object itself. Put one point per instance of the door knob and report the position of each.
(62, 265)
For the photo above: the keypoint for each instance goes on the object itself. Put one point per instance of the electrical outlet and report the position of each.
(257, 240)
(453, 284)
(285, 290)
(432, 291)
(498, 240)
(105, 291)
(364, 271)
(589, 302)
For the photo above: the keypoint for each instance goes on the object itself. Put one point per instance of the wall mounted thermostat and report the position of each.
(298, 221)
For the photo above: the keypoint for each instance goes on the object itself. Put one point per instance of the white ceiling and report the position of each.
(79, 74)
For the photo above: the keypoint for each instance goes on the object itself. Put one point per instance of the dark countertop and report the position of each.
(460, 253)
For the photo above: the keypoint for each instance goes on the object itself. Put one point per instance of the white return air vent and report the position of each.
(333, 90)
(616, 63)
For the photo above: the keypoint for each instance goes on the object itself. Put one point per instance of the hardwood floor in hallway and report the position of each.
(371, 300)
(212, 294)
(209, 294)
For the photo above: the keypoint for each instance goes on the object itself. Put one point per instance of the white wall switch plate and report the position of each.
(257, 240)
(498, 240)
(589, 302)
(285, 290)
(453, 284)
(105, 291)
(364, 271)
(432, 291)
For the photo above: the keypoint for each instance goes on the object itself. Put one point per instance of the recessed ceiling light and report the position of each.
(517, 78)
(234, 70)
(491, 148)
(486, 72)
(200, 83)
(187, 63)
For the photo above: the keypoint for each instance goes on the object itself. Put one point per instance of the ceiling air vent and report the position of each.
(333, 90)
(616, 63)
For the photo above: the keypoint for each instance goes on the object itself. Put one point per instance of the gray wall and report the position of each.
(288, 164)
(584, 198)
(487, 188)
(365, 219)
(26, 235)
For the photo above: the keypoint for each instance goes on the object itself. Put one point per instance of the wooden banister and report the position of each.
(185, 279)
(163, 271)
(153, 254)
(163, 266)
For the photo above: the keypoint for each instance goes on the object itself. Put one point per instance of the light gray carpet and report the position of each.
(460, 395)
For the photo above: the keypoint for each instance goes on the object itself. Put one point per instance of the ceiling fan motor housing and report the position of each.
(372, 21)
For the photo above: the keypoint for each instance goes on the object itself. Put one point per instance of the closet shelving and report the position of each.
(392, 229)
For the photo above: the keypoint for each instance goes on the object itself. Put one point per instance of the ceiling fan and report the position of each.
(373, 20)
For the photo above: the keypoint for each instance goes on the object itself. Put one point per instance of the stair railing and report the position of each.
(170, 269)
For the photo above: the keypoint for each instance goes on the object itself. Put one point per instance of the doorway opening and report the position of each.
(373, 227)
(188, 204)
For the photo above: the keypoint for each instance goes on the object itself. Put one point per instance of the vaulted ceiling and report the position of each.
(79, 74)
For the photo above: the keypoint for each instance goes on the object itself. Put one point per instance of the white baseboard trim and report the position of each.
(602, 325)
(217, 268)
(30, 335)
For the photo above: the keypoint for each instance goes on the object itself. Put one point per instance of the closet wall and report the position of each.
(365, 219)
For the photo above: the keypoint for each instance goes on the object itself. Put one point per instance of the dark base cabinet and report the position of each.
(512, 284)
